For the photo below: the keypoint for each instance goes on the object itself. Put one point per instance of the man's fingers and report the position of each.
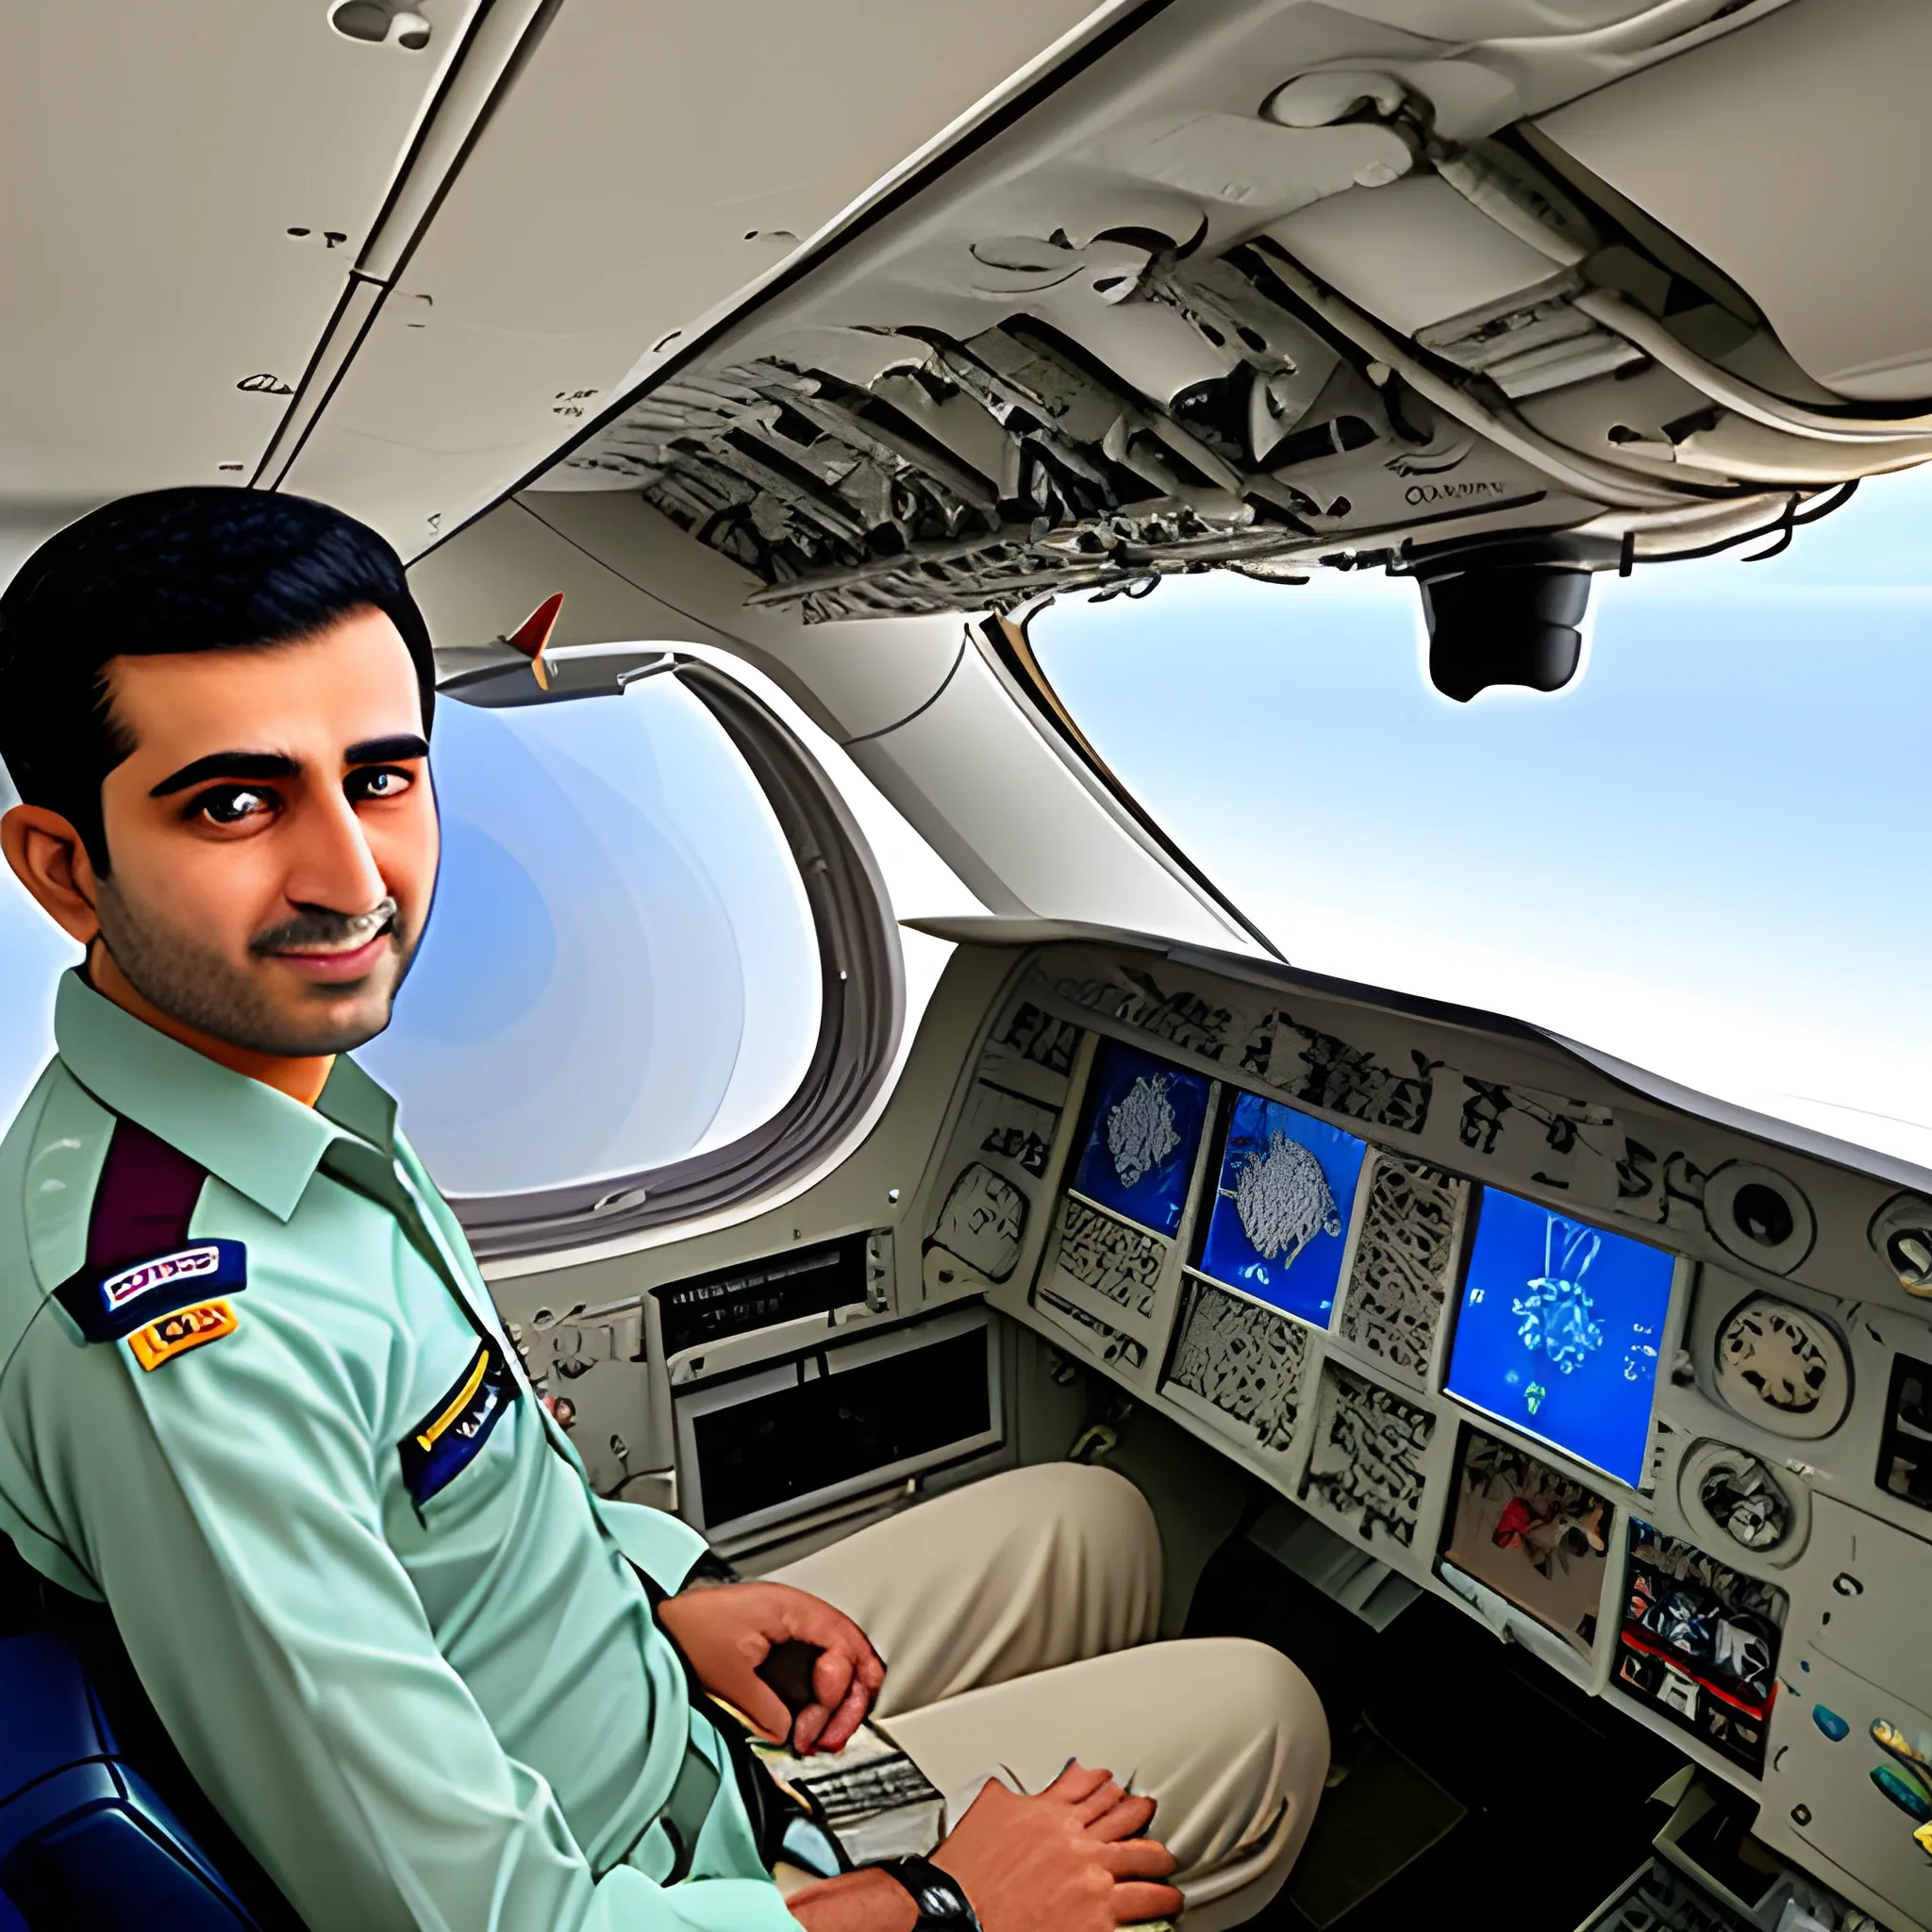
(1137, 1857)
(1128, 1818)
(1097, 1803)
(843, 1685)
(844, 1720)
(831, 1677)
(764, 1708)
(816, 1728)
(1077, 1783)
(806, 1727)
(1132, 1903)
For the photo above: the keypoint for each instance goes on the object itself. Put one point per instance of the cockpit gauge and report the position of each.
(1901, 1234)
(1759, 1216)
(1730, 1495)
(1784, 1368)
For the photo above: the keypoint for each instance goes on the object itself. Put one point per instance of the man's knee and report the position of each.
(1278, 1685)
(1257, 1721)
(1246, 1687)
(1256, 1715)
(1098, 1505)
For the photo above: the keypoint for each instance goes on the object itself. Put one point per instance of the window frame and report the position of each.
(861, 1013)
(1009, 641)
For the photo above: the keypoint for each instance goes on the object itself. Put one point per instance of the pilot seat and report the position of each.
(86, 1838)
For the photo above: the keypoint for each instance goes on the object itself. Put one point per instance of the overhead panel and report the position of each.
(1266, 282)
(1791, 154)
(646, 166)
(182, 190)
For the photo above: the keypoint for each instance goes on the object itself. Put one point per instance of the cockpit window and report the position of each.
(621, 971)
(1701, 857)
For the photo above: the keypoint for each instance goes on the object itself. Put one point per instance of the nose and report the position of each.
(330, 864)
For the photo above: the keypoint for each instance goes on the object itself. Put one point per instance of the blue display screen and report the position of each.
(1145, 1121)
(1561, 1331)
(1279, 1220)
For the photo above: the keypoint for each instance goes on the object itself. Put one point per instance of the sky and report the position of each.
(1706, 855)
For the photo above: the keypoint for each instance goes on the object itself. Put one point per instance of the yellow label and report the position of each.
(460, 1401)
(186, 1328)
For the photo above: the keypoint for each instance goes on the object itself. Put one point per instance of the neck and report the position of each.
(301, 1077)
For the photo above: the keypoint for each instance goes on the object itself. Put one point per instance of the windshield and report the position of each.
(1702, 857)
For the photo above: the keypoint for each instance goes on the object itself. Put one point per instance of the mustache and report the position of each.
(317, 927)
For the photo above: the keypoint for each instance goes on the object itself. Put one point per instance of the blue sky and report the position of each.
(1704, 856)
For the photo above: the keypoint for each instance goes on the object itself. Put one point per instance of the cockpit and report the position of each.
(1174, 736)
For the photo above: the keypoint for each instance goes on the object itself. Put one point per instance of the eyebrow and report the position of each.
(257, 766)
(386, 751)
(227, 764)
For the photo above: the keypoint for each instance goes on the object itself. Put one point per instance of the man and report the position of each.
(255, 1399)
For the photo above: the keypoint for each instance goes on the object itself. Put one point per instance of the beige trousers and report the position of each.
(1016, 1617)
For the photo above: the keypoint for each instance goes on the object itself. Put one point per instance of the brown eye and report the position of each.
(233, 805)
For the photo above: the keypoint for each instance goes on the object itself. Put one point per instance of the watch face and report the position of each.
(939, 1902)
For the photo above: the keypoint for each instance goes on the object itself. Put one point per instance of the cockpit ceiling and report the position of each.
(1263, 284)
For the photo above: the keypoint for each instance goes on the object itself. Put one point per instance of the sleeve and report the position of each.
(665, 1547)
(288, 1655)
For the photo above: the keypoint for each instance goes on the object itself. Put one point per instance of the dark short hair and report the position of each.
(207, 567)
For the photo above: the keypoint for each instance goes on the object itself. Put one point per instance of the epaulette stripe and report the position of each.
(144, 1199)
(140, 1263)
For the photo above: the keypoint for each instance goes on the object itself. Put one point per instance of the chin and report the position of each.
(341, 1016)
(344, 1024)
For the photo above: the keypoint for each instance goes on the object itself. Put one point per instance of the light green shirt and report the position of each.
(459, 1715)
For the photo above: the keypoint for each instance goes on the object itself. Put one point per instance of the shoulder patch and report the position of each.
(109, 1303)
(447, 1439)
(162, 1342)
(141, 1260)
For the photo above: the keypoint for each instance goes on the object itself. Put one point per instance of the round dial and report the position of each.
(1760, 1215)
(1783, 1368)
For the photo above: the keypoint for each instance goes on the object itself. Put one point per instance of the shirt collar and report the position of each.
(259, 1140)
(351, 1099)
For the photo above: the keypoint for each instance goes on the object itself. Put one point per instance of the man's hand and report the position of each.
(1067, 1860)
(1070, 1860)
(727, 1630)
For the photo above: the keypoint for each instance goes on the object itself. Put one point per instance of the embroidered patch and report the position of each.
(186, 1328)
(107, 1305)
(447, 1439)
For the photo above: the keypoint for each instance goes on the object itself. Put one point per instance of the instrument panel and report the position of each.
(1643, 1383)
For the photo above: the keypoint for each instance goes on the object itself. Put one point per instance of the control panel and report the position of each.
(1643, 1383)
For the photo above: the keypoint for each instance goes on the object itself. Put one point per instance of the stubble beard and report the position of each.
(196, 985)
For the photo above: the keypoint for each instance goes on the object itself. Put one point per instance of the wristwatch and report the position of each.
(942, 1902)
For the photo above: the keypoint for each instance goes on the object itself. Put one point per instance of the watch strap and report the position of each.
(944, 1906)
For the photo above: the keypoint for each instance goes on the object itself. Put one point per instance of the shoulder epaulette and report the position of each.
(141, 1261)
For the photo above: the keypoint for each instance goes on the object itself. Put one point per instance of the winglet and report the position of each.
(534, 632)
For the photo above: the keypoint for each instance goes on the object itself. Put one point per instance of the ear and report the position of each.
(49, 859)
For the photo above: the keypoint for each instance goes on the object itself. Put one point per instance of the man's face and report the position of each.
(271, 839)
